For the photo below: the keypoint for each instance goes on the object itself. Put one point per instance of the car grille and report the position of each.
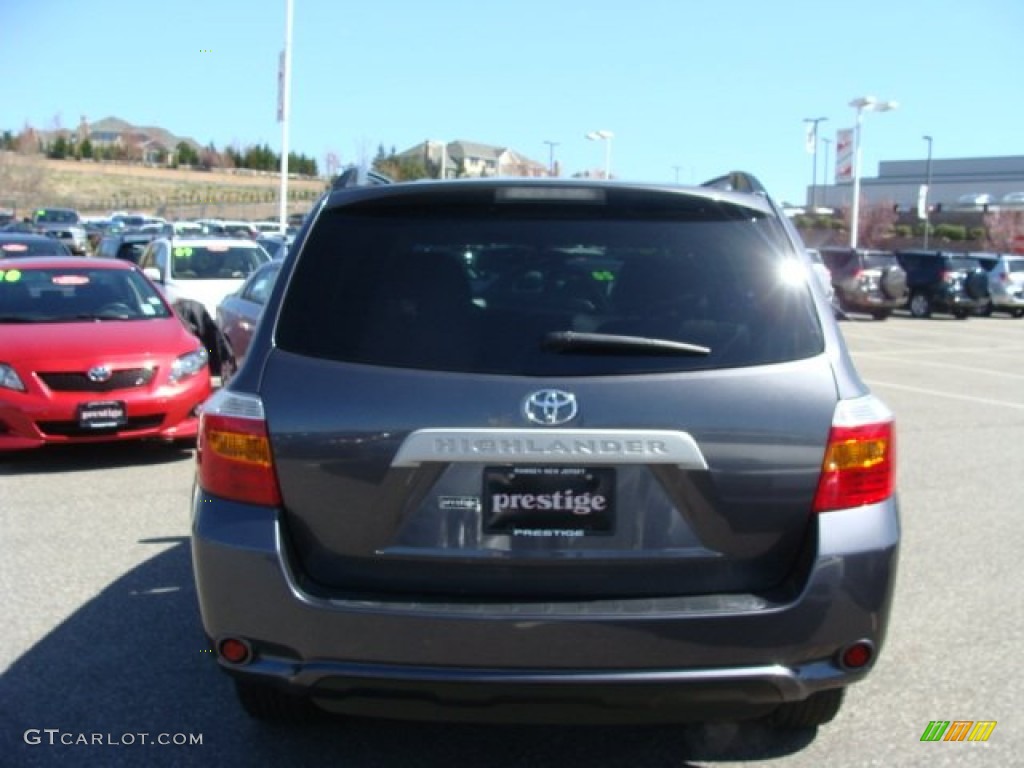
(129, 378)
(74, 429)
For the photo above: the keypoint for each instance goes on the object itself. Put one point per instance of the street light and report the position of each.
(927, 188)
(551, 156)
(824, 174)
(606, 137)
(284, 114)
(813, 136)
(862, 105)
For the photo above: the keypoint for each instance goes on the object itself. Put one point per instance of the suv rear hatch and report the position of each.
(576, 391)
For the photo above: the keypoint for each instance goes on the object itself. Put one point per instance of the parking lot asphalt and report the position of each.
(102, 639)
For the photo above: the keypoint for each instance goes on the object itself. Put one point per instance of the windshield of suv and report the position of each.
(32, 246)
(879, 260)
(215, 262)
(560, 295)
(57, 216)
(964, 265)
(57, 295)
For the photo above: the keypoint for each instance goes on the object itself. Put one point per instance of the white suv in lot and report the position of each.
(196, 273)
(1005, 282)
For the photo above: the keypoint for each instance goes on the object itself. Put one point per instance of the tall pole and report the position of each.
(606, 137)
(862, 104)
(855, 215)
(813, 137)
(284, 114)
(551, 156)
(927, 189)
(676, 169)
(824, 176)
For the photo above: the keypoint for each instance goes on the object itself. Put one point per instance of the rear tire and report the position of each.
(880, 314)
(919, 305)
(264, 702)
(818, 709)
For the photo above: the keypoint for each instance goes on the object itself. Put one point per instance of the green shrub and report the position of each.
(903, 230)
(977, 233)
(955, 232)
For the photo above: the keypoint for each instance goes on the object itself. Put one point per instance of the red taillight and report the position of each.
(234, 457)
(860, 461)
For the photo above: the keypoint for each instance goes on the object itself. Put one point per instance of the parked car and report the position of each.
(128, 245)
(92, 353)
(239, 312)
(546, 450)
(276, 245)
(1005, 282)
(941, 281)
(65, 225)
(195, 274)
(866, 280)
(17, 244)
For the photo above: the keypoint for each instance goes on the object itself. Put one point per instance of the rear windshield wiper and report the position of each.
(609, 343)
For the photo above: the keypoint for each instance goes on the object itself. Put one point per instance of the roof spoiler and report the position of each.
(737, 181)
(357, 176)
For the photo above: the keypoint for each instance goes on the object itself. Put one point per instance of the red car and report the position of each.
(91, 352)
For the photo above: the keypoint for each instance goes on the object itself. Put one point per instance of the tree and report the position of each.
(85, 149)
(875, 223)
(59, 148)
(28, 140)
(1002, 230)
(186, 155)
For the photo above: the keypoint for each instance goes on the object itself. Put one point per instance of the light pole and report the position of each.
(606, 137)
(284, 114)
(813, 137)
(551, 156)
(676, 169)
(927, 189)
(824, 174)
(862, 105)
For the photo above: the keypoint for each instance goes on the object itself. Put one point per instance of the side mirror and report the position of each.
(153, 274)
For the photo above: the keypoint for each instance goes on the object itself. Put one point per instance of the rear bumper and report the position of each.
(728, 656)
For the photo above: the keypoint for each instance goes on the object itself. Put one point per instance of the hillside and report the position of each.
(32, 181)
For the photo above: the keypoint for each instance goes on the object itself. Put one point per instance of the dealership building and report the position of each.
(956, 184)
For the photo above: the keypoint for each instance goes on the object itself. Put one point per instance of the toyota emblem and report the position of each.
(550, 407)
(99, 373)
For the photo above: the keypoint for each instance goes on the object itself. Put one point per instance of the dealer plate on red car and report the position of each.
(549, 501)
(106, 414)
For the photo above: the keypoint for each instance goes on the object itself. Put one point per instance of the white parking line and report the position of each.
(890, 358)
(949, 395)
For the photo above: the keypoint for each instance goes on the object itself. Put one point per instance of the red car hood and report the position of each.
(56, 345)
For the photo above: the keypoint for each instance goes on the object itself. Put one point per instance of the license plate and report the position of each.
(106, 414)
(549, 502)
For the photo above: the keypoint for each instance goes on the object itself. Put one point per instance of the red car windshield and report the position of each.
(56, 295)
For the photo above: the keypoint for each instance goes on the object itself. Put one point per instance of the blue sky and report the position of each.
(705, 86)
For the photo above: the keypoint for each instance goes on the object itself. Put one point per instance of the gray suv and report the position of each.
(546, 451)
(866, 280)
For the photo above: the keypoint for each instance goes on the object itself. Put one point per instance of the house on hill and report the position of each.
(148, 144)
(472, 159)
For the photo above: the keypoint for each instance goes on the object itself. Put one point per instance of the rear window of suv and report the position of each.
(555, 290)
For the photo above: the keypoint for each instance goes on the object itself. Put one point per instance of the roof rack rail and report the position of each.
(737, 181)
(356, 176)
